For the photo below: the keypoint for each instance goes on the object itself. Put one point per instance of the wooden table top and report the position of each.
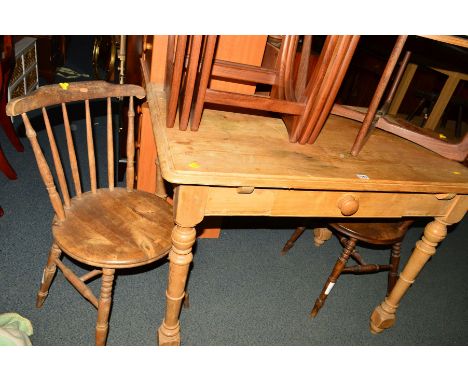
(233, 149)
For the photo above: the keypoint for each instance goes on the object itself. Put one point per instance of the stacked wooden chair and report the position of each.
(374, 117)
(303, 98)
(107, 228)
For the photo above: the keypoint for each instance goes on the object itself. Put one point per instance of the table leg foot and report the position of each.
(383, 317)
(169, 336)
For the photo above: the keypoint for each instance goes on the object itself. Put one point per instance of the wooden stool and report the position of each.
(349, 234)
(107, 228)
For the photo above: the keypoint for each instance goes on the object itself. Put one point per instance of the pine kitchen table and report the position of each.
(244, 165)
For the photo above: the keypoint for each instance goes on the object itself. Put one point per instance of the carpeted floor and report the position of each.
(241, 291)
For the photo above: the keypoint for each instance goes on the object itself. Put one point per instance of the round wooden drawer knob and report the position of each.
(348, 205)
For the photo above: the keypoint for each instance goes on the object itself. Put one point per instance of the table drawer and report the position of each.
(266, 202)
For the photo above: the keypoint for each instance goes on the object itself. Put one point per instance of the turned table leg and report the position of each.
(189, 207)
(383, 317)
(180, 258)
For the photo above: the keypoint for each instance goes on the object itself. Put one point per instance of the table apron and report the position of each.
(230, 201)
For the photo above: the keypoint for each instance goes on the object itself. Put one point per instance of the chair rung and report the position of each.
(79, 285)
(90, 275)
(367, 268)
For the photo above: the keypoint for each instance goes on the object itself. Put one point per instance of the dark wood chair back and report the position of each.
(304, 99)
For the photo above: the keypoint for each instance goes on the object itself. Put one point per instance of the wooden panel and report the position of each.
(241, 49)
(158, 61)
(146, 175)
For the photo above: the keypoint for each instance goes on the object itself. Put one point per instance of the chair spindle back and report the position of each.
(79, 91)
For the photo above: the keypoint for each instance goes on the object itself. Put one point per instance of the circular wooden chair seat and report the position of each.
(115, 229)
(379, 233)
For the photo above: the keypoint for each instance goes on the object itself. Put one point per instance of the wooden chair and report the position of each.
(106, 228)
(452, 149)
(303, 100)
(350, 234)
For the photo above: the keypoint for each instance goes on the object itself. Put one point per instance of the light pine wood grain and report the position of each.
(243, 165)
(243, 157)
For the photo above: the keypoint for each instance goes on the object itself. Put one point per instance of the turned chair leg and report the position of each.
(394, 264)
(48, 275)
(105, 300)
(290, 243)
(335, 274)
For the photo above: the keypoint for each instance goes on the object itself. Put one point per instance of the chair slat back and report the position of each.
(90, 144)
(57, 162)
(44, 169)
(130, 174)
(71, 152)
(110, 146)
(79, 91)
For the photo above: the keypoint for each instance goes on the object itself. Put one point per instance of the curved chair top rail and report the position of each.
(74, 91)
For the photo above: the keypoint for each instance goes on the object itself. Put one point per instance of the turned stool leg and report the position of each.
(383, 317)
(180, 258)
(105, 300)
(48, 275)
(290, 243)
(331, 281)
(394, 263)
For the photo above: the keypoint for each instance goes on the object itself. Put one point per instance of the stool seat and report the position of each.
(379, 233)
(115, 229)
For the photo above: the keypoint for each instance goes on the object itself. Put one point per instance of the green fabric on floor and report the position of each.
(15, 330)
